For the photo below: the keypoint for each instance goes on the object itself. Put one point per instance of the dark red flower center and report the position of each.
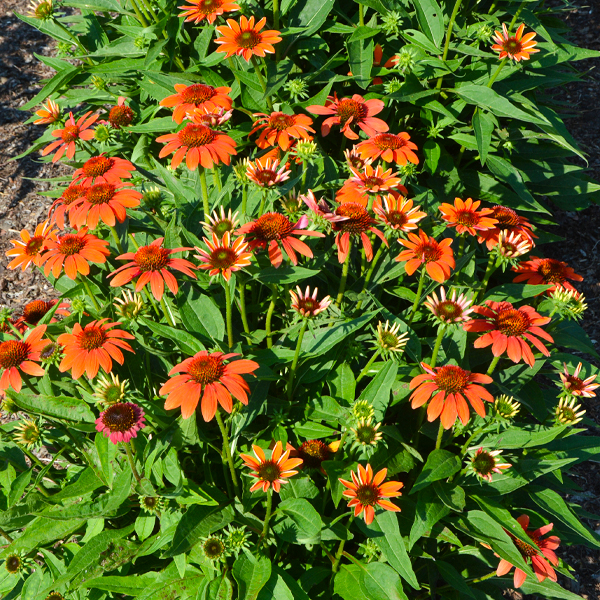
(72, 193)
(120, 116)
(223, 258)
(198, 93)
(483, 463)
(373, 182)
(49, 351)
(13, 563)
(358, 220)
(449, 310)
(506, 217)
(34, 245)
(100, 193)
(512, 322)
(524, 548)
(451, 379)
(70, 133)
(70, 244)
(97, 166)
(195, 135)
(313, 453)
(34, 311)
(269, 471)
(92, 338)
(512, 46)
(396, 218)
(574, 384)
(429, 251)
(385, 141)
(348, 108)
(248, 39)
(209, 6)
(13, 353)
(265, 176)
(55, 596)
(552, 271)
(272, 226)
(466, 217)
(309, 305)
(281, 121)
(367, 494)
(206, 369)
(151, 258)
(119, 417)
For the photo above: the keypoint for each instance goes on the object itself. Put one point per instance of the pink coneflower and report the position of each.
(575, 386)
(219, 224)
(267, 173)
(210, 117)
(306, 304)
(512, 244)
(121, 422)
(451, 309)
(485, 463)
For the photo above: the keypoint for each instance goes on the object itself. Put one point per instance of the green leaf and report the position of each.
(302, 524)
(336, 469)
(377, 5)
(547, 589)
(507, 173)
(188, 344)
(57, 407)
(384, 530)
(251, 574)
(344, 384)
(173, 586)
(284, 274)
(515, 292)
(431, 19)
(451, 576)
(107, 453)
(220, 588)
(429, 510)
(310, 14)
(380, 582)
(130, 585)
(197, 522)
(362, 33)
(440, 464)
(554, 505)
(378, 392)
(452, 495)
(483, 126)
(527, 436)
(347, 581)
(200, 314)
(360, 57)
(571, 335)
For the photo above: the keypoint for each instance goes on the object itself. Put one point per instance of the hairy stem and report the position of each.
(290, 384)
(228, 315)
(227, 452)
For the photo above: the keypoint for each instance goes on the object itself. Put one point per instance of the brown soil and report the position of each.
(21, 206)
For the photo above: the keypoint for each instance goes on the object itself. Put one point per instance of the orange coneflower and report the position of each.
(210, 117)
(313, 453)
(29, 248)
(103, 169)
(370, 181)
(398, 213)
(120, 115)
(367, 491)
(517, 47)
(464, 216)
(279, 127)
(223, 257)
(351, 111)
(49, 113)
(508, 329)
(152, 263)
(69, 134)
(96, 345)
(508, 221)
(377, 58)
(575, 386)
(21, 355)
(61, 205)
(539, 271)
(103, 201)
(199, 144)
(272, 472)
(121, 421)
(390, 148)
(198, 10)
(268, 231)
(73, 252)
(197, 95)
(540, 551)
(267, 172)
(35, 310)
(206, 378)
(449, 386)
(354, 159)
(246, 39)
(437, 257)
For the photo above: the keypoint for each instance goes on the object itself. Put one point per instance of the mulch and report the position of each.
(22, 206)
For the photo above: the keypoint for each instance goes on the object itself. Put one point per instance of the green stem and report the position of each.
(290, 385)
(488, 576)
(492, 366)
(88, 290)
(413, 310)
(440, 435)
(28, 383)
(14, 330)
(263, 201)
(275, 14)
(466, 445)
(204, 188)
(369, 274)
(340, 550)
(242, 290)
(489, 270)
(361, 15)
(228, 314)
(305, 167)
(270, 311)
(131, 460)
(227, 451)
(345, 268)
(448, 38)
(438, 343)
(5, 535)
(265, 530)
(490, 83)
(263, 83)
(166, 312)
(517, 15)
(244, 202)
(150, 10)
(461, 247)
(217, 178)
(139, 14)
(74, 38)
(116, 238)
(368, 365)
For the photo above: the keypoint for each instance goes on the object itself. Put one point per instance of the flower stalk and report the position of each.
(228, 319)
(368, 365)
(131, 460)
(270, 311)
(344, 278)
(448, 38)
(204, 191)
(438, 343)
(415, 305)
(290, 384)
(227, 452)
(493, 365)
